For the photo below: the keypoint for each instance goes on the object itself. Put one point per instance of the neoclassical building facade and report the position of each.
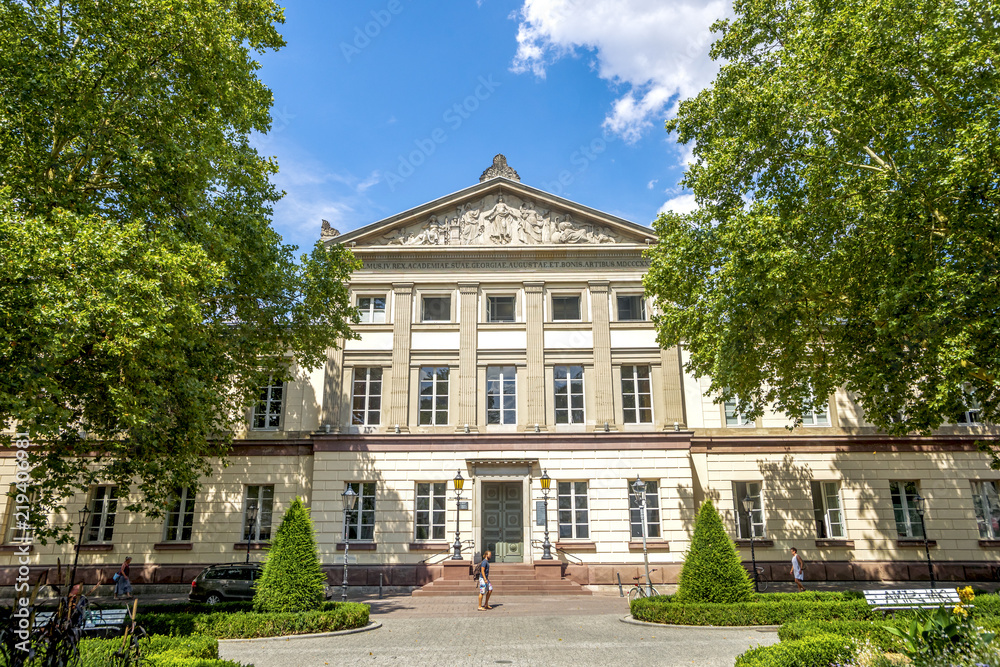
(503, 335)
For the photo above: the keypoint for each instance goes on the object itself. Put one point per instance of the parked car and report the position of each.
(218, 583)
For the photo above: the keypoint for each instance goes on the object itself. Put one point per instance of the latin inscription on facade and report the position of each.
(508, 265)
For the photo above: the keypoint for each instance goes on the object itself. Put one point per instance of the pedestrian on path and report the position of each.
(123, 585)
(485, 587)
(798, 569)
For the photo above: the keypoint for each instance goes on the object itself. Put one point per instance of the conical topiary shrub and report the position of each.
(292, 579)
(712, 570)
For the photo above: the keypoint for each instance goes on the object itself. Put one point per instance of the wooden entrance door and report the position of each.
(503, 525)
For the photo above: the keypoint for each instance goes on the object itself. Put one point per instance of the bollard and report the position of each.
(621, 593)
(379, 585)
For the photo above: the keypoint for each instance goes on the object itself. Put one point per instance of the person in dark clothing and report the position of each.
(485, 587)
(123, 585)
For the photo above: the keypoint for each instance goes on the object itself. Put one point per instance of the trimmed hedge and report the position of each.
(712, 570)
(292, 580)
(818, 651)
(661, 610)
(194, 607)
(244, 625)
(872, 631)
(159, 651)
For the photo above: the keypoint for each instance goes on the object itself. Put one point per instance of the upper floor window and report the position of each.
(734, 417)
(652, 510)
(828, 511)
(361, 522)
(754, 521)
(574, 512)
(568, 386)
(499, 309)
(987, 504)
(631, 307)
(371, 309)
(436, 309)
(429, 517)
(433, 406)
(565, 308)
(267, 412)
(259, 502)
(180, 517)
(103, 512)
(366, 402)
(904, 509)
(820, 417)
(637, 395)
(969, 416)
(501, 395)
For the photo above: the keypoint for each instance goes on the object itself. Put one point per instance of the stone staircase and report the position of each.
(507, 579)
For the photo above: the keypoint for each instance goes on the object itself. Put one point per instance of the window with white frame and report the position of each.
(755, 519)
(574, 510)
(637, 395)
(361, 522)
(820, 417)
(429, 516)
(432, 408)
(436, 309)
(366, 401)
(500, 308)
(180, 517)
(631, 307)
(568, 389)
(969, 416)
(103, 511)
(501, 395)
(904, 509)
(735, 418)
(371, 309)
(987, 504)
(267, 412)
(652, 511)
(566, 308)
(259, 497)
(20, 507)
(828, 510)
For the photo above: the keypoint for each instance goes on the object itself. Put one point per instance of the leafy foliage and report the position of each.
(846, 162)
(938, 634)
(818, 651)
(292, 579)
(145, 297)
(712, 570)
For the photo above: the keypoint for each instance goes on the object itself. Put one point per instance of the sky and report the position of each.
(383, 105)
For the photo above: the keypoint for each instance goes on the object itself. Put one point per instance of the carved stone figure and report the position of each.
(501, 220)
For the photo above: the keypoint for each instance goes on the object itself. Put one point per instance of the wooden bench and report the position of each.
(96, 621)
(917, 598)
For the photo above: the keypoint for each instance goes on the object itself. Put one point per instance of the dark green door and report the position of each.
(503, 525)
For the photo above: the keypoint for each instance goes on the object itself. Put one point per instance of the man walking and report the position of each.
(485, 587)
(797, 568)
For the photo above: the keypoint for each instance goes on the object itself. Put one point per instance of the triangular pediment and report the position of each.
(499, 212)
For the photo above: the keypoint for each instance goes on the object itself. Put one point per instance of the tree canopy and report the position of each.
(144, 296)
(845, 167)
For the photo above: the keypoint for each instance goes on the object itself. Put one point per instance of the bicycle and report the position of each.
(638, 591)
(762, 580)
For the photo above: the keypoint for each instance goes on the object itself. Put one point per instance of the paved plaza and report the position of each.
(578, 631)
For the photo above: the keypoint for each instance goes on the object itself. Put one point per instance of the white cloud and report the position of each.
(649, 186)
(655, 49)
(679, 204)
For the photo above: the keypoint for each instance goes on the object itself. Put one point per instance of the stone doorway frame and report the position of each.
(504, 470)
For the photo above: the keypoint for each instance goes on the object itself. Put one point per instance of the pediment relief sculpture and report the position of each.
(501, 220)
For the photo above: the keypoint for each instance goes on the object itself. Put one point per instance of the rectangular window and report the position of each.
(103, 510)
(904, 509)
(433, 406)
(430, 513)
(366, 403)
(260, 497)
(755, 519)
(20, 508)
(970, 416)
(267, 412)
(734, 418)
(652, 511)
(987, 504)
(568, 386)
(501, 395)
(371, 309)
(574, 511)
(637, 396)
(817, 418)
(436, 309)
(828, 510)
(565, 308)
(180, 517)
(631, 307)
(499, 309)
(361, 522)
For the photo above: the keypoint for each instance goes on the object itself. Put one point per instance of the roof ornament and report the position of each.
(327, 231)
(500, 169)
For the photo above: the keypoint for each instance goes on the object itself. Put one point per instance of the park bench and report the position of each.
(917, 598)
(96, 621)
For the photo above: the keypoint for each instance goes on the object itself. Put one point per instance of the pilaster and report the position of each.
(604, 399)
(535, 357)
(402, 318)
(673, 389)
(468, 294)
(330, 419)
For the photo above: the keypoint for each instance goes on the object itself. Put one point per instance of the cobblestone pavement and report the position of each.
(578, 631)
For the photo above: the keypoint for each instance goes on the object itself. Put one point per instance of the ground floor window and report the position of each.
(180, 517)
(652, 511)
(430, 512)
(574, 512)
(103, 512)
(987, 504)
(827, 510)
(752, 524)
(904, 509)
(361, 522)
(259, 501)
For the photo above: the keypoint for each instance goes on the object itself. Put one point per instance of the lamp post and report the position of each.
(748, 508)
(251, 524)
(639, 487)
(350, 502)
(919, 502)
(84, 518)
(546, 545)
(459, 485)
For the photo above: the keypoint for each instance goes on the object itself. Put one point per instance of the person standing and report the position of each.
(485, 587)
(797, 569)
(123, 585)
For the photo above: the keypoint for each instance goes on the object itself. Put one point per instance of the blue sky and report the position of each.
(382, 105)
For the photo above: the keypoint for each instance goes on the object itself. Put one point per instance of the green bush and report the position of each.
(818, 651)
(241, 625)
(873, 631)
(808, 596)
(194, 607)
(712, 570)
(660, 610)
(100, 652)
(292, 579)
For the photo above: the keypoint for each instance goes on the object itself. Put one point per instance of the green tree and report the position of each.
(712, 570)
(846, 172)
(292, 579)
(144, 296)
